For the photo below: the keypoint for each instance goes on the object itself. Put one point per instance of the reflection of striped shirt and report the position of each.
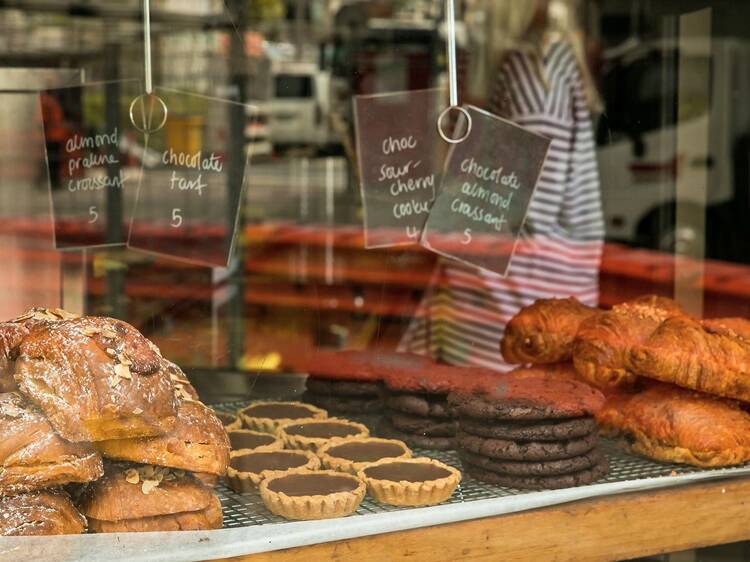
(464, 313)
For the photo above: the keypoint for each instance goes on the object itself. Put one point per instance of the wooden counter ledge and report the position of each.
(611, 528)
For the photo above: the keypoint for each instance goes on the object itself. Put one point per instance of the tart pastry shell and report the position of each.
(329, 506)
(304, 443)
(271, 425)
(245, 481)
(413, 494)
(353, 467)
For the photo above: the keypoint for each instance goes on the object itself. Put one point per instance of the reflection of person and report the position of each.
(539, 80)
(55, 133)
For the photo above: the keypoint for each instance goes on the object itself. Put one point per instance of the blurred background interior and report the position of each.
(673, 148)
(673, 151)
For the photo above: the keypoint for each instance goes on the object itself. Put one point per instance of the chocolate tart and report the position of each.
(310, 435)
(210, 480)
(229, 421)
(410, 482)
(250, 440)
(248, 468)
(352, 454)
(269, 416)
(305, 494)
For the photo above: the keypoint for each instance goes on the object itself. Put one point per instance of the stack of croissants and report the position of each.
(98, 431)
(677, 388)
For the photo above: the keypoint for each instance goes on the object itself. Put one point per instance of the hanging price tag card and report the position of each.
(487, 186)
(400, 158)
(189, 197)
(92, 174)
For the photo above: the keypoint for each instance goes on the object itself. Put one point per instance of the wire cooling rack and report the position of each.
(244, 510)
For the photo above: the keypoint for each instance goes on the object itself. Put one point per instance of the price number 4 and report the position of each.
(176, 218)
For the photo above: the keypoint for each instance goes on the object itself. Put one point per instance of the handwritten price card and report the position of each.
(90, 182)
(400, 156)
(189, 201)
(487, 186)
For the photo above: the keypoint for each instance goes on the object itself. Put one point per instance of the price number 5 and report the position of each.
(93, 214)
(176, 218)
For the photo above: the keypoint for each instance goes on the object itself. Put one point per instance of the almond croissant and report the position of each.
(685, 352)
(601, 349)
(543, 332)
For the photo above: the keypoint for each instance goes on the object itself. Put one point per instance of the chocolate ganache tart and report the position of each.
(247, 468)
(352, 454)
(305, 494)
(250, 440)
(310, 435)
(269, 416)
(410, 482)
(229, 421)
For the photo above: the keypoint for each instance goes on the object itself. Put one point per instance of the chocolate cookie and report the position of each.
(344, 404)
(542, 430)
(429, 427)
(386, 429)
(526, 450)
(342, 388)
(531, 468)
(433, 407)
(473, 406)
(571, 480)
(520, 395)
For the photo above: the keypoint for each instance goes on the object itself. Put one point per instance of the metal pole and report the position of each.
(236, 169)
(115, 276)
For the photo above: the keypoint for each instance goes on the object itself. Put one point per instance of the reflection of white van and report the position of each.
(298, 106)
(637, 136)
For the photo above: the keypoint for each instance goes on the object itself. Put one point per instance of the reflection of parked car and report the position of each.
(298, 106)
(638, 156)
(257, 133)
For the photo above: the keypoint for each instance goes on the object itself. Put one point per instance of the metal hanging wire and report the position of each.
(153, 101)
(450, 20)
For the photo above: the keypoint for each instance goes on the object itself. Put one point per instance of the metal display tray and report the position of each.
(250, 528)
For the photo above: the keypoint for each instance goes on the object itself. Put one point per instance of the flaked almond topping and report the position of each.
(114, 380)
(131, 476)
(182, 394)
(90, 332)
(109, 333)
(64, 314)
(111, 352)
(11, 411)
(149, 485)
(123, 371)
(137, 412)
(124, 360)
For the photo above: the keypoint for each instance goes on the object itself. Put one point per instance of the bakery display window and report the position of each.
(288, 277)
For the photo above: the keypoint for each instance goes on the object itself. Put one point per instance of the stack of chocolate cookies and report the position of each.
(416, 402)
(529, 430)
(343, 382)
